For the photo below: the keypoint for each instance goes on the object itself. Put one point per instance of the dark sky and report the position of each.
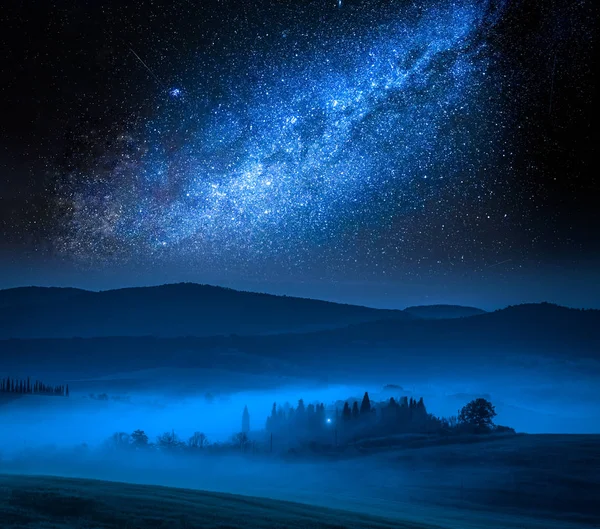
(377, 152)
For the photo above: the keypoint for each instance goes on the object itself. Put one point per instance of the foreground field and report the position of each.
(51, 502)
(513, 482)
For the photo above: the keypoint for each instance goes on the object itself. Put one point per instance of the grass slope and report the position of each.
(46, 501)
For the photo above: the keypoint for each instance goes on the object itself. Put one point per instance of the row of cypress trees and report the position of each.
(25, 386)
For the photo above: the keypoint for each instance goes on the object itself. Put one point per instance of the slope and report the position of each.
(44, 501)
(184, 309)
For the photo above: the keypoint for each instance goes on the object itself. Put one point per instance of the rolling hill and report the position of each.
(43, 501)
(184, 309)
(441, 312)
(540, 329)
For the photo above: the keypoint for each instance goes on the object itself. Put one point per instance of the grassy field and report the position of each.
(512, 482)
(545, 479)
(67, 503)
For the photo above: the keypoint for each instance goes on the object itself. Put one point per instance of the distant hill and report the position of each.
(184, 309)
(7, 398)
(568, 335)
(23, 296)
(435, 312)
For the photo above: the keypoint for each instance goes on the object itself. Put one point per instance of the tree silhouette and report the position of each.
(478, 413)
(355, 412)
(169, 441)
(240, 439)
(198, 440)
(139, 439)
(365, 406)
(245, 420)
(346, 412)
(120, 440)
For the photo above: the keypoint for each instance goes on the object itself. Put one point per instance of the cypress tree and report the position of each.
(346, 412)
(365, 406)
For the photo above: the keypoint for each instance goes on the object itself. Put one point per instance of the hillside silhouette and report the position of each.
(443, 311)
(536, 329)
(184, 309)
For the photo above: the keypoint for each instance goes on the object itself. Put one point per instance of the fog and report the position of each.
(435, 485)
(332, 484)
(82, 418)
(71, 437)
(527, 399)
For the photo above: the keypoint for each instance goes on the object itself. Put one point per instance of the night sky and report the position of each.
(379, 152)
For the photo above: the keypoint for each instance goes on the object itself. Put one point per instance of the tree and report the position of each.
(365, 406)
(245, 420)
(478, 413)
(169, 441)
(272, 420)
(139, 439)
(320, 413)
(240, 439)
(355, 411)
(346, 412)
(198, 440)
(119, 440)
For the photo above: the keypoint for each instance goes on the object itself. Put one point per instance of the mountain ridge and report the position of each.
(179, 309)
(567, 335)
(191, 309)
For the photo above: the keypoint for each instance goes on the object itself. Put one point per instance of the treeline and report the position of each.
(360, 419)
(356, 419)
(322, 429)
(25, 386)
(171, 442)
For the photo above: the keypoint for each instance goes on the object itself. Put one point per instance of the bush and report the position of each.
(503, 429)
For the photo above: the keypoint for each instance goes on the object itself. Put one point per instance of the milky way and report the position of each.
(360, 137)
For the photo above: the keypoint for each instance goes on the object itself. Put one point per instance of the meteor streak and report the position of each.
(147, 67)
